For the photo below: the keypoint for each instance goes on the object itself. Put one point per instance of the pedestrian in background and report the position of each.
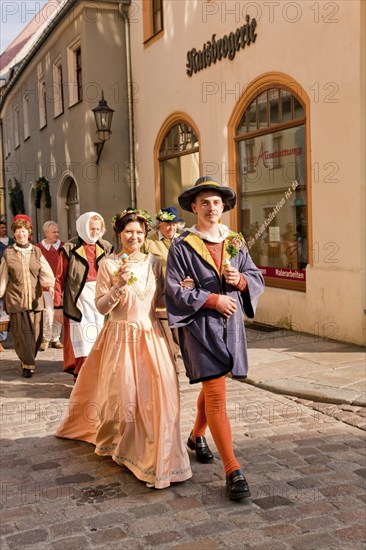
(23, 273)
(129, 378)
(76, 278)
(159, 240)
(5, 241)
(209, 317)
(4, 238)
(50, 247)
(158, 243)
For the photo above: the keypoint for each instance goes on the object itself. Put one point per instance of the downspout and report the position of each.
(3, 186)
(123, 10)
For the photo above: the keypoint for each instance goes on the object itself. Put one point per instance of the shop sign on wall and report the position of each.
(227, 46)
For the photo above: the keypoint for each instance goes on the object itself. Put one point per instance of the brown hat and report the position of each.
(207, 183)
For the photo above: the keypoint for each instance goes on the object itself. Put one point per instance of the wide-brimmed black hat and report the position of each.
(207, 183)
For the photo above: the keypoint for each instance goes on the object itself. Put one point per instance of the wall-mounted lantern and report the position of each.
(103, 115)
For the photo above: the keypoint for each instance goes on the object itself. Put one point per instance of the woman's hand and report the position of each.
(189, 283)
(232, 275)
(124, 274)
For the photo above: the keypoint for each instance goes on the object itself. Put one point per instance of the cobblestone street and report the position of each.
(305, 463)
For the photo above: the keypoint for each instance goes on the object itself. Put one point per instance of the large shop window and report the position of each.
(179, 165)
(272, 178)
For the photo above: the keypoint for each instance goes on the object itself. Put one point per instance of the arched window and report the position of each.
(271, 153)
(178, 164)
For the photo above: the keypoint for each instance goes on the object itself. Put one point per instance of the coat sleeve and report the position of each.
(46, 276)
(4, 277)
(255, 283)
(182, 304)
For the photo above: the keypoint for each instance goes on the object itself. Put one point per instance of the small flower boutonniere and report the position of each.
(236, 241)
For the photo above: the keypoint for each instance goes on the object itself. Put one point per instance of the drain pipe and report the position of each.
(123, 7)
(3, 174)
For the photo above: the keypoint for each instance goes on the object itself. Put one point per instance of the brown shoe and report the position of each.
(44, 345)
(57, 345)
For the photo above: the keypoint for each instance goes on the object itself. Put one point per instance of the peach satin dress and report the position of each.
(126, 398)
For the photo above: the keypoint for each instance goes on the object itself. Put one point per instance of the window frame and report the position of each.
(58, 87)
(174, 119)
(26, 126)
(42, 97)
(257, 86)
(150, 32)
(74, 72)
(16, 122)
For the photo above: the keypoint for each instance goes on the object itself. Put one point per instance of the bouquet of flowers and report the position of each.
(120, 261)
(236, 241)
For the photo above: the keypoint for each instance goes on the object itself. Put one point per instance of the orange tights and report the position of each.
(211, 411)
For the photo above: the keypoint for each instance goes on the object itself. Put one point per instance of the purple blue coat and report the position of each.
(211, 345)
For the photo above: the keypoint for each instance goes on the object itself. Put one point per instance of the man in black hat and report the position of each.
(209, 317)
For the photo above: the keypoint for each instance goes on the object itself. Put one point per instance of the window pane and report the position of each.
(276, 201)
(177, 174)
(262, 110)
(286, 105)
(298, 109)
(179, 139)
(252, 116)
(242, 128)
(273, 98)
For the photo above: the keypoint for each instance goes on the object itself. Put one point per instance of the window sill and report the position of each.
(76, 103)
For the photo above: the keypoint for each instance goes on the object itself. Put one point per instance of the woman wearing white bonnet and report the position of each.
(75, 289)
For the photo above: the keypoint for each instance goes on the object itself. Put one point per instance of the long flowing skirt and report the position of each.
(126, 402)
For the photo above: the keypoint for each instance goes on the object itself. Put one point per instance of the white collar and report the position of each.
(223, 230)
(55, 245)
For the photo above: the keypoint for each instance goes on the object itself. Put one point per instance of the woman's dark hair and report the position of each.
(127, 218)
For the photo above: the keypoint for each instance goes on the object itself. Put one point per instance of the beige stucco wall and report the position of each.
(65, 147)
(320, 47)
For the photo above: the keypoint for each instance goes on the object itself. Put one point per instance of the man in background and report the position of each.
(50, 246)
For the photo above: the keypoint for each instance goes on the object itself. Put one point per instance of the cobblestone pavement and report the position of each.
(305, 463)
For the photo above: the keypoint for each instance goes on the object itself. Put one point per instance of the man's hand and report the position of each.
(232, 275)
(59, 316)
(226, 305)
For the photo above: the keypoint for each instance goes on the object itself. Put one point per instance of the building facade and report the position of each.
(260, 94)
(48, 127)
(269, 97)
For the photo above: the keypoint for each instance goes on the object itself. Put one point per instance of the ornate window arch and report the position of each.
(177, 161)
(269, 133)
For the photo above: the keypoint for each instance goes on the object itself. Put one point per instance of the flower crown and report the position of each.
(165, 216)
(140, 213)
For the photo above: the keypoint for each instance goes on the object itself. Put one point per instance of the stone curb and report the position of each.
(303, 390)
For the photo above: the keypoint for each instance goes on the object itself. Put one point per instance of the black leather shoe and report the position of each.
(203, 453)
(237, 486)
(27, 373)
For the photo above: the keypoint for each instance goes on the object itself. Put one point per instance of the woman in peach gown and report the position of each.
(126, 397)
